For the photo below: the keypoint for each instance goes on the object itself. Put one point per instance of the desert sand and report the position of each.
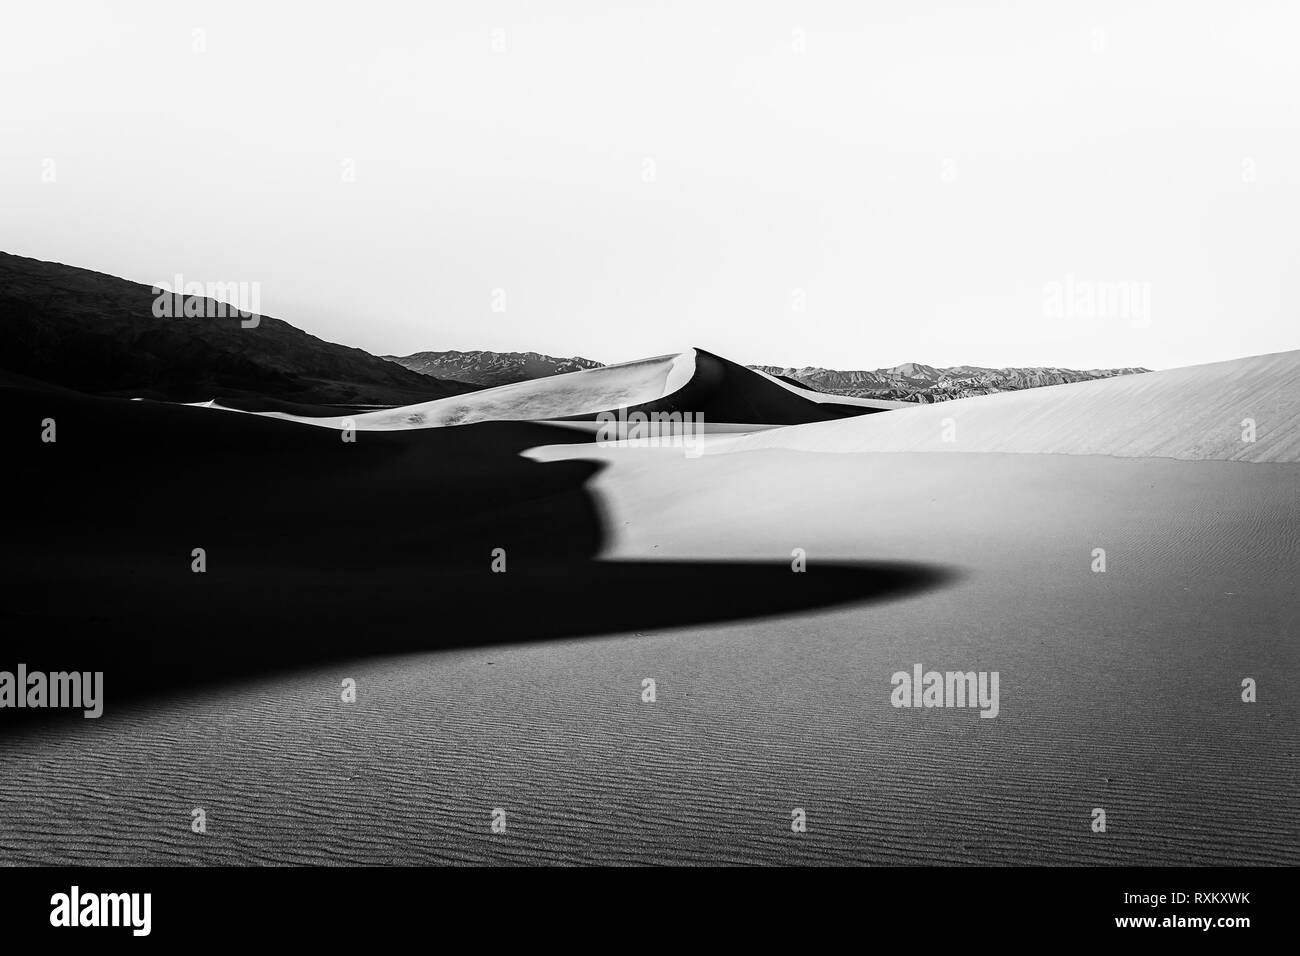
(1194, 413)
(695, 380)
(478, 690)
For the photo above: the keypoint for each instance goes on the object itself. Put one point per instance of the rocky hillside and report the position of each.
(488, 369)
(911, 382)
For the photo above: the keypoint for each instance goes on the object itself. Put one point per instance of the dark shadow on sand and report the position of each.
(318, 549)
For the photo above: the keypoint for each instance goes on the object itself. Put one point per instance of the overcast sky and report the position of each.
(847, 185)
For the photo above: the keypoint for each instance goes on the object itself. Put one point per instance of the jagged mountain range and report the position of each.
(910, 382)
(913, 382)
(489, 369)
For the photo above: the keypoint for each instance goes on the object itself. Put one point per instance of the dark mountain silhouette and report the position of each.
(100, 334)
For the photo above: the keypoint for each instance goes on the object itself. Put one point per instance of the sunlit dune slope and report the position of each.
(1195, 413)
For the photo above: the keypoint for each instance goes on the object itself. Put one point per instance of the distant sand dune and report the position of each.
(691, 381)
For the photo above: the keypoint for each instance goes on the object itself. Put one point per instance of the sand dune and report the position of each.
(1122, 687)
(1192, 413)
(692, 381)
(373, 561)
(293, 559)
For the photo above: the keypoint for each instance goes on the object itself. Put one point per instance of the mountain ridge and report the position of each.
(486, 369)
(93, 332)
(926, 384)
(102, 334)
(909, 381)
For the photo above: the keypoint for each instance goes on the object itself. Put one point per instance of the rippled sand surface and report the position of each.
(1118, 690)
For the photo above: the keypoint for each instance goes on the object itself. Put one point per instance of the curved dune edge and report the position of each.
(1201, 412)
(691, 381)
(879, 404)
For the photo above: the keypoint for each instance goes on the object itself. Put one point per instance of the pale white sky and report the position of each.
(849, 185)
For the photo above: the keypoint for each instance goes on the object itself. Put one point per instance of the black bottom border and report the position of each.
(928, 904)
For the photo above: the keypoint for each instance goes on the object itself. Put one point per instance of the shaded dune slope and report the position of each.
(318, 548)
